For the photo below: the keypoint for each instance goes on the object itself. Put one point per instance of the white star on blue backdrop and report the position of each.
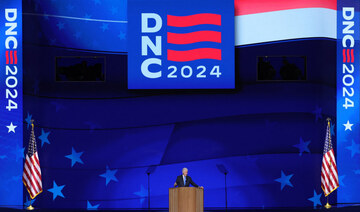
(11, 128)
(348, 126)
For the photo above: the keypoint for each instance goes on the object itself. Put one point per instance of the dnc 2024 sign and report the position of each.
(186, 44)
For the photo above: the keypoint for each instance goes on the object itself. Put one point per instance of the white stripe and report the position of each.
(325, 180)
(284, 25)
(32, 177)
(29, 185)
(35, 163)
(332, 168)
(327, 175)
(75, 18)
(35, 176)
(330, 176)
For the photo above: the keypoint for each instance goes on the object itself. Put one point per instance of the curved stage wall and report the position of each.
(253, 131)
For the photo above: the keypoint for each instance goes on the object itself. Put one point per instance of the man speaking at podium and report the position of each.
(184, 180)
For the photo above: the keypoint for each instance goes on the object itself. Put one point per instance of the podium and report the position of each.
(186, 199)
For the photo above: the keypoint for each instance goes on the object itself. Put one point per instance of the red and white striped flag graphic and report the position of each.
(32, 173)
(329, 173)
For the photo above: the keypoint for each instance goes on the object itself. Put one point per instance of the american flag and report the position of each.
(329, 173)
(32, 173)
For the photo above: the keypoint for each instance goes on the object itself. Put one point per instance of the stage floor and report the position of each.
(339, 208)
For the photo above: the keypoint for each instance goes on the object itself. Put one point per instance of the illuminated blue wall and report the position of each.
(348, 110)
(263, 132)
(11, 103)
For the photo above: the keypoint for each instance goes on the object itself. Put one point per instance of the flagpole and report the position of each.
(328, 206)
(30, 207)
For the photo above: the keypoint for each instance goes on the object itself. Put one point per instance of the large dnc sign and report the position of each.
(11, 115)
(348, 99)
(185, 44)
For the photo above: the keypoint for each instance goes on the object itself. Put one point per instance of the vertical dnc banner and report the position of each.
(348, 99)
(11, 114)
(187, 44)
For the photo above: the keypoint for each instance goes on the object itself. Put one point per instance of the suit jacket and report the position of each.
(180, 181)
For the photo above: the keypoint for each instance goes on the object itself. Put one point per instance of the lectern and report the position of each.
(186, 199)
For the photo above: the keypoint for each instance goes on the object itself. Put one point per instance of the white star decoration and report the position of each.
(11, 128)
(348, 126)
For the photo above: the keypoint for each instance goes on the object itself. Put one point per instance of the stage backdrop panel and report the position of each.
(97, 140)
(348, 109)
(11, 103)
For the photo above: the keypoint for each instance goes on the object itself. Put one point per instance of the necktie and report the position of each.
(184, 180)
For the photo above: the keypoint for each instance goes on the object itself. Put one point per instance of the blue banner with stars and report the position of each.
(348, 89)
(11, 133)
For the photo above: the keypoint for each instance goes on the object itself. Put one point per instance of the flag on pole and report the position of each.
(32, 173)
(329, 173)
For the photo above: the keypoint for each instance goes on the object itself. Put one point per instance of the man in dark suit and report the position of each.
(184, 180)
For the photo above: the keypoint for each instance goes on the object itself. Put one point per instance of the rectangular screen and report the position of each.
(181, 44)
(80, 69)
(281, 68)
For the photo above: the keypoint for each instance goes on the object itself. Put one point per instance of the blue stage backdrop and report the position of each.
(11, 103)
(97, 140)
(348, 88)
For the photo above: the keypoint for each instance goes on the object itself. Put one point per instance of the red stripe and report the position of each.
(195, 54)
(7, 57)
(15, 56)
(324, 188)
(324, 181)
(31, 183)
(334, 166)
(333, 177)
(28, 187)
(352, 55)
(192, 20)
(344, 55)
(329, 173)
(33, 176)
(194, 37)
(11, 57)
(246, 7)
(348, 55)
(37, 162)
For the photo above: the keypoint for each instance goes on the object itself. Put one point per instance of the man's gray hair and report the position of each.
(184, 169)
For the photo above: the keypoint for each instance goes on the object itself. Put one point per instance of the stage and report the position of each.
(338, 208)
(242, 105)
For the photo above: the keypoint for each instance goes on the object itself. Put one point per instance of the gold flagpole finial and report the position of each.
(328, 120)
(32, 123)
